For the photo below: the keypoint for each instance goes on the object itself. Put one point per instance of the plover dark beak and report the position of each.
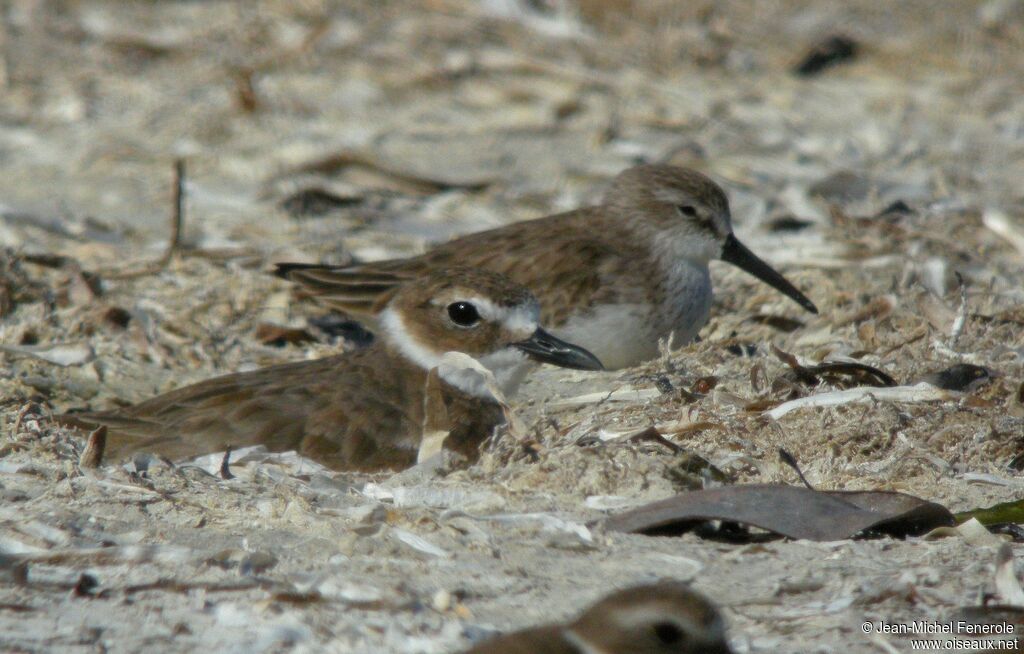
(544, 347)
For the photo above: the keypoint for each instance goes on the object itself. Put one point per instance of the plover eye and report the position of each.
(688, 210)
(463, 314)
(668, 633)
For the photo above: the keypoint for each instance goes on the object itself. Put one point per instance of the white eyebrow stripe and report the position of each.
(635, 616)
(579, 644)
(518, 318)
(640, 616)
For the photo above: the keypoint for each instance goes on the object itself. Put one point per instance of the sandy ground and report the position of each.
(320, 130)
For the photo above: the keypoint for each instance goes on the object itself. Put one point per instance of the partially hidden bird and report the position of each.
(365, 409)
(663, 618)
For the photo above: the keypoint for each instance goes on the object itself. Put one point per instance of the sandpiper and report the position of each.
(363, 410)
(615, 277)
(665, 617)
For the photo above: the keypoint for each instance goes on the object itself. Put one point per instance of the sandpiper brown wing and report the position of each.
(566, 266)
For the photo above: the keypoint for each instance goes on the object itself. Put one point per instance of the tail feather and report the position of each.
(335, 274)
(126, 436)
(365, 308)
(358, 290)
(285, 270)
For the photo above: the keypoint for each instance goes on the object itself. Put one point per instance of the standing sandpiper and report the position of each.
(615, 277)
(363, 410)
(664, 618)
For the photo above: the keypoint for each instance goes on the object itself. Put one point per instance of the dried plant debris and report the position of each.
(316, 202)
(362, 131)
(336, 326)
(841, 373)
(989, 628)
(788, 511)
(998, 623)
(831, 51)
(16, 286)
(225, 465)
(369, 171)
(1007, 583)
(962, 377)
(92, 455)
(781, 323)
(436, 422)
(791, 461)
(61, 354)
(1004, 512)
(279, 336)
(922, 392)
(788, 223)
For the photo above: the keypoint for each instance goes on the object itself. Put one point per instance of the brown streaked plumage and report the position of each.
(663, 618)
(615, 277)
(362, 410)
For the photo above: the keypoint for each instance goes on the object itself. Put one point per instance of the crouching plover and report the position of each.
(660, 618)
(362, 410)
(614, 278)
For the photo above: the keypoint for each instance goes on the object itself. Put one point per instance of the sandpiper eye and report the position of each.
(463, 314)
(688, 210)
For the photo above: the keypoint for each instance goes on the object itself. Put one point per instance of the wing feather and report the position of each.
(544, 255)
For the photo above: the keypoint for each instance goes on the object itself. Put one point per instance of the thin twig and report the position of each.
(178, 217)
(174, 240)
(961, 314)
(653, 435)
(790, 460)
(225, 465)
(92, 455)
(29, 408)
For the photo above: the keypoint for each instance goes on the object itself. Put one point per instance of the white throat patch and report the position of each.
(509, 366)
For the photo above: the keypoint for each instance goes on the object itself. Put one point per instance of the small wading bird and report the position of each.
(363, 410)
(615, 277)
(664, 618)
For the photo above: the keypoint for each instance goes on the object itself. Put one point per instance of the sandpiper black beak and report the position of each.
(544, 347)
(738, 255)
